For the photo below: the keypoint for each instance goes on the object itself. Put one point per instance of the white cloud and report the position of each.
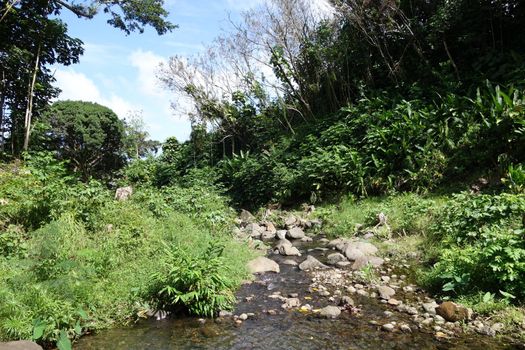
(78, 87)
(147, 64)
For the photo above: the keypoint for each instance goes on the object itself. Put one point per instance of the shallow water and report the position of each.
(286, 329)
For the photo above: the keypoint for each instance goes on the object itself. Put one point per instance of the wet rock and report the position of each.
(290, 262)
(330, 312)
(307, 239)
(453, 312)
(324, 241)
(311, 263)
(290, 303)
(388, 327)
(20, 345)
(385, 292)
(246, 217)
(262, 264)
(334, 258)
(295, 233)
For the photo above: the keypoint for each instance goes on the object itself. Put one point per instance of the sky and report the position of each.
(119, 71)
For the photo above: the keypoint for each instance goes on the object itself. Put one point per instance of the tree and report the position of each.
(136, 140)
(33, 38)
(88, 135)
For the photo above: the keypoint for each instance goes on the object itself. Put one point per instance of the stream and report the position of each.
(270, 326)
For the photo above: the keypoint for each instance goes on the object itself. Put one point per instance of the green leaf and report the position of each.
(38, 329)
(63, 342)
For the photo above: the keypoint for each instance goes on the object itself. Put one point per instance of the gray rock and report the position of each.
(246, 217)
(267, 235)
(334, 258)
(281, 234)
(289, 251)
(270, 227)
(224, 313)
(20, 345)
(367, 260)
(389, 327)
(385, 292)
(343, 263)
(405, 328)
(353, 253)
(365, 247)
(243, 317)
(263, 264)
(123, 193)
(291, 303)
(430, 307)
(311, 263)
(290, 262)
(330, 312)
(346, 300)
(254, 230)
(307, 239)
(290, 220)
(295, 233)
(339, 243)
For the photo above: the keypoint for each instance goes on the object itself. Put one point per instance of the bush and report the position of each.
(482, 245)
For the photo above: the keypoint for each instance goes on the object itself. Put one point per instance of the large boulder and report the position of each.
(254, 230)
(295, 233)
(334, 258)
(20, 345)
(263, 264)
(311, 263)
(374, 261)
(246, 217)
(453, 312)
(123, 193)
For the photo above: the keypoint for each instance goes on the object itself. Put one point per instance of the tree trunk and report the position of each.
(29, 109)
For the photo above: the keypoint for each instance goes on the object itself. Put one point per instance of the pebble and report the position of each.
(406, 328)
(351, 289)
(393, 302)
(243, 317)
(388, 313)
(362, 292)
(389, 327)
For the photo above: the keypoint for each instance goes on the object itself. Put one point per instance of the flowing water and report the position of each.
(284, 329)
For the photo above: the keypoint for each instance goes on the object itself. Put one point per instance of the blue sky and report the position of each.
(118, 71)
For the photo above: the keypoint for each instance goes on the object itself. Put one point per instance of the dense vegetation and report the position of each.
(411, 108)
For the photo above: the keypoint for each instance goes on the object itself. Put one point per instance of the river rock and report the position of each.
(254, 230)
(20, 345)
(374, 261)
(346, 301)
(266, 235)
(453, 312)
(389, 327)
(338, 243)
(295, 233)
(281, 234)
(246, 217)
(430, 307)
(291, 303)
(288, 250)
(343, 264)
(365, 247)
(353, 253)
(330, 312)
(311, 263)
(290, 220)
(385, 292)
(263, 264)
(270, 227)
(290, 262)
(334, 258)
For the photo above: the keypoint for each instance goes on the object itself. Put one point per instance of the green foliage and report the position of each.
(194, 282)
(482, 245)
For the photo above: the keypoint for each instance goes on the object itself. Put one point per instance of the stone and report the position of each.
(263, 264)
(453, 312)
(246, 217)
(224, 313)
(334, 258)
(289, 251)
(295, 233)
(405, 328)
(385, 292)
(365, 247)
(307, 239)
(330, 312)
(385, 279)
(243, 317)
(393, 302)
(266, 235)
(343, 263)
(346, 301)
(430, 307)
(311, 263)
(290, 262)
(254, 230)
(290, 220)
(20, 345)
(339, 243)
(362, 262)
(389, 327)
(281, 234)
(123, 193)
(291, 303)
(353, 253)
(270, 227)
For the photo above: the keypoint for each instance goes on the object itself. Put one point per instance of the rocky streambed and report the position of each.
(313, 293)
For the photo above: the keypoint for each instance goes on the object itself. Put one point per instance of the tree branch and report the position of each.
(77, 10)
